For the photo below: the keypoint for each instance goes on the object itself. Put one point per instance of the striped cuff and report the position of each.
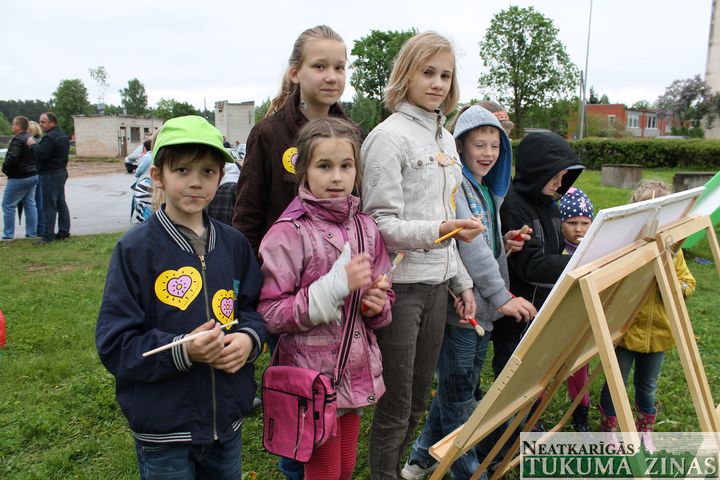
(180, 356)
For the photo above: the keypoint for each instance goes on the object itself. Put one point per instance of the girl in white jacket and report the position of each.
(411, 177)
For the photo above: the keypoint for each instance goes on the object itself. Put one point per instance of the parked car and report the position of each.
(132, 160)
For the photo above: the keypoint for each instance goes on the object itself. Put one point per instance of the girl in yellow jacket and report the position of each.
(646, 340)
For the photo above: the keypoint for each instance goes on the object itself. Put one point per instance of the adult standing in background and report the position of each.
(52, 156)
(20, 168)
(36, 132)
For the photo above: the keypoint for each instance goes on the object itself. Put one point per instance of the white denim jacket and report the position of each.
(409, 193)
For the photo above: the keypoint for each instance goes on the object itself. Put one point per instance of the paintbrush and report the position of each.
(187, 339)
(478, 329)
(386, 276)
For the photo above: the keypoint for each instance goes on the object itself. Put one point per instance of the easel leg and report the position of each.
(603, 339)
(685, 341)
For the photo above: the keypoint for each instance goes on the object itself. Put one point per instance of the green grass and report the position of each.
(57, 403)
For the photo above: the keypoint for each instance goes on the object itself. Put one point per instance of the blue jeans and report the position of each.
(39, 207)
(53, 185)
(647, 371)
(458, 374)
(182, 461)
(19, 190)
(503, 349)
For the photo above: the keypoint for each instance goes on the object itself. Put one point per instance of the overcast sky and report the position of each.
(211, 50)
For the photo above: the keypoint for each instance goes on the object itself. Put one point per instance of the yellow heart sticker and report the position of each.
(178, 288)
(223, 305)
(289, 159)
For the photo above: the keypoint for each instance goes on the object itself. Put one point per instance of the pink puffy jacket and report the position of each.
(298, 249)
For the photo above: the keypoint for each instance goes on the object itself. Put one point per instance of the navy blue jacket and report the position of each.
(158, 290)
(52, 151)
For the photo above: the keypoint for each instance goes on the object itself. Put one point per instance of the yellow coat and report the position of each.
(650, 331)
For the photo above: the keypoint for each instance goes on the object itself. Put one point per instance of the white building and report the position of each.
(235, 120)
(111, 135)
(712, 67)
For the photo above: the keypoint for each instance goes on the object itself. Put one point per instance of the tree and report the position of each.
(70, 98)
(168, 108)
(555, 117)
(100, 76)
(261, 110)
(134, 98)
(27, 108)
(686, 102)
(365, 112)
(5, 126)
(593, 100)
(527, 64)
(641, 105)
(604, 99)
(375, 54)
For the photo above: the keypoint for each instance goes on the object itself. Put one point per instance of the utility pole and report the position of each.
(583, 81)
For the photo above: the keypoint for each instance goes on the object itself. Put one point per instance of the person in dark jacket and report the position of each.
(267, 184)
(181, 272)
(20, 168)
(545, 168)
(52, 156)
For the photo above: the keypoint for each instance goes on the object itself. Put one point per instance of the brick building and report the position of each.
(640, 123)
(110, 135)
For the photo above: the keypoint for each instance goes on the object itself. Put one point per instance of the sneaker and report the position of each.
(414, 471)
(62, 236)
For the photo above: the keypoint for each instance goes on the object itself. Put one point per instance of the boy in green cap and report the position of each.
(176, 274)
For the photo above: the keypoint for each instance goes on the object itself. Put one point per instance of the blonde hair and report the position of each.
(34, 129)
(411, 59)
(648, 190)
(287, 87)
(320, 129)
(494, 107)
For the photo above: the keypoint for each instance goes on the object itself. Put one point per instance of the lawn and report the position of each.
(57, 404)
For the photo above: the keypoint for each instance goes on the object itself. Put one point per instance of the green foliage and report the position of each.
(650, 153)
(27, 108)
(134, 98)
(554, 117)
(5, 126)
(168, 108)
(261, 110)
(527, 66)
(100, 76)
(70, 98)
(375, 54)
(365, 112)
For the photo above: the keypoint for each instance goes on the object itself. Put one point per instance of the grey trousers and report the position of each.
(410, 346)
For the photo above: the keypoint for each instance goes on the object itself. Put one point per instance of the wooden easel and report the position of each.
(597, 286)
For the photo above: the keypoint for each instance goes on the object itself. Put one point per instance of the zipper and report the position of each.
(438, 140)
(212, 370)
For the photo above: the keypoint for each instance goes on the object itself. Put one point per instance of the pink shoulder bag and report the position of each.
(299, 404)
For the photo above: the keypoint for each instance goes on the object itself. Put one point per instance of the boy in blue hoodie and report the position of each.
(486, 157)
(179, 273)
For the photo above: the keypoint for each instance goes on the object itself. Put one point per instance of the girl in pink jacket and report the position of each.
(311, 266)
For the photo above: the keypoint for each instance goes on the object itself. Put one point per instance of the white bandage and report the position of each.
(327, 294)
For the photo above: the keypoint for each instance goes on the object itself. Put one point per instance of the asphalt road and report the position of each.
(98, 204)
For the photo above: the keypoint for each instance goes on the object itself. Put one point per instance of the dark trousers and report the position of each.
(53, 192)
(410, 346)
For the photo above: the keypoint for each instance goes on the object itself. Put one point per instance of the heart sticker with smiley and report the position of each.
(178, 288)
(223, 305)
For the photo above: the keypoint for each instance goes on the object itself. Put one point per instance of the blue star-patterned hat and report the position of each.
(575, 204)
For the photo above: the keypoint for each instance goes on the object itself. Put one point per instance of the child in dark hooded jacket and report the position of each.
(545, 168)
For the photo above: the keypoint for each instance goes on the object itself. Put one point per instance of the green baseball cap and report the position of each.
(190, 129)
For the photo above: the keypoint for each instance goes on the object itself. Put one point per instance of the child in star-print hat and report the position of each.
(576, 214)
